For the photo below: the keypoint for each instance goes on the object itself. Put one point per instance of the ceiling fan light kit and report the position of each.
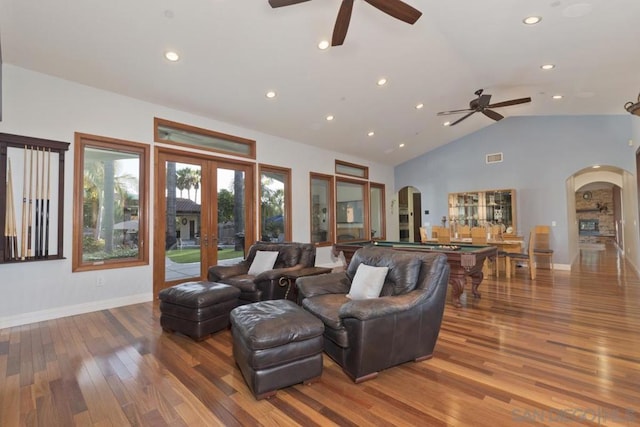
(633, 108)
(395, 8)
(481, 105)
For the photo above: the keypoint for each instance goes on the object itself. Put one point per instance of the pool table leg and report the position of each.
(458, 279)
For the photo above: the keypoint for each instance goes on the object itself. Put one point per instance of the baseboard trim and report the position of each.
(72, 310)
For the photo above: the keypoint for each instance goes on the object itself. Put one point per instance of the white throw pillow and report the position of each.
(367, 282)
(263, 261)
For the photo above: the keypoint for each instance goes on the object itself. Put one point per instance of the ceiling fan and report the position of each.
(481, 105)
(396, 8)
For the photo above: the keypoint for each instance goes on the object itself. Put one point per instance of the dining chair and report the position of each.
(527, 257)
(464, 231)
(444, 235)
(542, 249)
(423, 235)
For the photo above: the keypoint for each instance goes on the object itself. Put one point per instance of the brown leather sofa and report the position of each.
(292, 256)
(369, 335)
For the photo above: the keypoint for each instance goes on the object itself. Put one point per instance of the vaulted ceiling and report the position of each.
(234, 51)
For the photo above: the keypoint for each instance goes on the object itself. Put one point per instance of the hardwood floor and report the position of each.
(561, 350)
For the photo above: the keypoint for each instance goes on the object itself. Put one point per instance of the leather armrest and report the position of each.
(307, 271)
(332, 283)
(218, 272)
(378, 307)
(276, 273)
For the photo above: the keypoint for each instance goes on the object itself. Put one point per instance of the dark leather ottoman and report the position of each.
(197, 309)
(276, 344)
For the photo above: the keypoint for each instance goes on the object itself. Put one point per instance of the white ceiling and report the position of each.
(233, 51)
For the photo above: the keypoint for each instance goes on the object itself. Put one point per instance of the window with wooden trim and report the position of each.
(194, 137)
(111, 193)
(377, 211)
(322, 218)
(351, 169)
(275, 203)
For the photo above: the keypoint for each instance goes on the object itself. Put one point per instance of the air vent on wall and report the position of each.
(494, 158)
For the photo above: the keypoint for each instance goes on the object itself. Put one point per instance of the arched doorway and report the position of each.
(409, 214)
(614, 201)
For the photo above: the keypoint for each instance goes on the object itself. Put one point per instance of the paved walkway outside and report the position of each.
(177, 271)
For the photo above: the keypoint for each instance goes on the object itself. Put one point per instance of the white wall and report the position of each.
(42, 106)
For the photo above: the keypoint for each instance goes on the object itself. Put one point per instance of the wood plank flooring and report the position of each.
(561, 350)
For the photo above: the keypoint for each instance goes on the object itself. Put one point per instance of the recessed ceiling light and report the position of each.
(401, 145)
(446, 123)
(557, 96)
(371, 133)
(532, 20)
(548, 66)
(270, 94)
(330, 117)
(382, 82)
(323, 45)
(171, 56)
(420, 106)
(596, 166)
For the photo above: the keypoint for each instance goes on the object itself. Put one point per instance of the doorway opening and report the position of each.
(409, 214)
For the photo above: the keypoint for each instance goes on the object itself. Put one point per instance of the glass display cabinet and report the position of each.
(484, 209)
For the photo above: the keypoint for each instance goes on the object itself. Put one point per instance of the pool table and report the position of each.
(464, 260)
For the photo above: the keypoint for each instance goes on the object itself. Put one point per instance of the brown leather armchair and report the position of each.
(366, 336)
(292, 256)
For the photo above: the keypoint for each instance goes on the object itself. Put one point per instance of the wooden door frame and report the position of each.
(159, 222)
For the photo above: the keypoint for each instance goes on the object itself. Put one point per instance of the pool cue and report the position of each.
(29, 253)
(41, 235)
(46, 238)
(37, 236)
(7, 227)
(23, 228)
(11, 216)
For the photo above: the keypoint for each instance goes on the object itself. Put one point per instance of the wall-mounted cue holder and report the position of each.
(31, 198)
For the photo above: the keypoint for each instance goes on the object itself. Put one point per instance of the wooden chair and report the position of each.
(478, 236)
(434, 231)
(444, 235)
(542, 249)
(423, 235)
(526, 257)
(464, 232)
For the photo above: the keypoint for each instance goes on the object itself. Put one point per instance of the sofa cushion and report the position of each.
(326, 308)
(404, 268)
(263, 261)
(367, 282)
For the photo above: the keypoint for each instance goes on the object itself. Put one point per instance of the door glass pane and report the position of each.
(377, 212)
(272, 206)
(350, 211)
(183, 209)
(231, 215)
(321, 214)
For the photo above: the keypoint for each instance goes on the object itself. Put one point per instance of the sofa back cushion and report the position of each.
(289, 253)
(404, 268)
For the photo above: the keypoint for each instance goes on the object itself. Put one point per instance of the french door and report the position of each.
(203, 210)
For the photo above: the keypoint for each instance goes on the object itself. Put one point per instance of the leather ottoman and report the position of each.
(197, 309)
(276, 344)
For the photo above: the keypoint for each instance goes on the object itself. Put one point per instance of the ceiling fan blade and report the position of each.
(342, 23)
(446, 113)
(510, 102)
(280, 3)
(492, 115)
(398, 9)
(483, 101)
(462, 118)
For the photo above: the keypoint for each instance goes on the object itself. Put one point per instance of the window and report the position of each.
(275, 203)
(322, 219)
(351, 169)
(194, 137)
(377, 215)
(110, 203)
(352, 210)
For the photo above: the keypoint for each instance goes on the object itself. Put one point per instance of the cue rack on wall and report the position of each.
(31, 198)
